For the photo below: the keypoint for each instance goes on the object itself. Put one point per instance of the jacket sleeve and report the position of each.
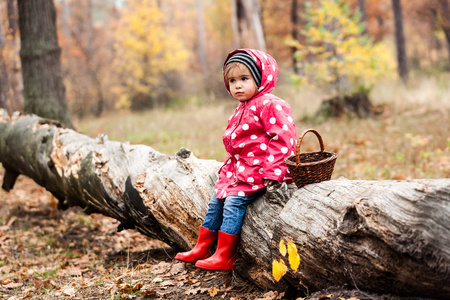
(276, 116)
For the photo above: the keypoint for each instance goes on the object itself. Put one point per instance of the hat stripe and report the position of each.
(250, 63)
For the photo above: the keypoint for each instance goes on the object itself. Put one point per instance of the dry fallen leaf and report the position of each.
(69, 291)
(147, 290)
(213, 291)
(176, 268)
(192, 291)
(160, 268)
(321, 297)
(271, 295)
(12, 285)
(167, 283)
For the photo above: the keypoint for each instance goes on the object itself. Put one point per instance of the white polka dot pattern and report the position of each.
(260, 134)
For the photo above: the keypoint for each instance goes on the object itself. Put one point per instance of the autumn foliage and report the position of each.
(336, 54)
(146, 53)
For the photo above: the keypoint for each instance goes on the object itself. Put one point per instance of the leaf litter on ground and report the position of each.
(47, 253)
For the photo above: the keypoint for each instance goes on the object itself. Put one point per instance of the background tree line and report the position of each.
(139, 54)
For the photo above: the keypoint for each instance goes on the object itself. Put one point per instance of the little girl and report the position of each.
(259, 135)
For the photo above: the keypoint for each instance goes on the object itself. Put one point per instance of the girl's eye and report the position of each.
(244, 78)
(231, 80)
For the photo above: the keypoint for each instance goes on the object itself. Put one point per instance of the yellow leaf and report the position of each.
(282, 248)
(279, 269)
(294, 258)
(213, 291)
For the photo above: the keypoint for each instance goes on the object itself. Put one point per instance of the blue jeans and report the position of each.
(227, 215)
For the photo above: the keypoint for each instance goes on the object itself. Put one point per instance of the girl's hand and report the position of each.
(268, 182)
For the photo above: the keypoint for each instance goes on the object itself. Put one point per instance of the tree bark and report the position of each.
(246, 22)
(402, 63)
(40, 56)
(362, 8)
(295, 33)
(444, 11)
(12, 17)
(202, 53)
(381, 236)
(257, 25)
(4, 81)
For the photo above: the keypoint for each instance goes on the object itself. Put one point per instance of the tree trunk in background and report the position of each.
(14, 102)
(362, 8)
(295, 21)
(90, 58)
(246, 22)
(257, 24)
(382, 236)
(201, 38)
(235, 23)
(89, 29)
(4, 81)
(65, 15)
(444, 9)
(402, 63)
(40, 54)
(12, 17)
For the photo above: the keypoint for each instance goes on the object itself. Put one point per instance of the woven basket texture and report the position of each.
(311, 167)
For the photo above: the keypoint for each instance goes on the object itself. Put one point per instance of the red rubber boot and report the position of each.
(203, 248)
(225, 256)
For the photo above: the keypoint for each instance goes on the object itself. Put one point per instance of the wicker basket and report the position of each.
(311, 167)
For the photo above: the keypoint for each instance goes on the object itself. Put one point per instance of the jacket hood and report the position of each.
(265, 62)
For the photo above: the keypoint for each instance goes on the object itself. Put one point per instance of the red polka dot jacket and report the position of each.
(259, 135)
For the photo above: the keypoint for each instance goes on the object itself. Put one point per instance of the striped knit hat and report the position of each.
(250, 63)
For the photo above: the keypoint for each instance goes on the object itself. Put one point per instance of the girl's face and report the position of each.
(241, 82)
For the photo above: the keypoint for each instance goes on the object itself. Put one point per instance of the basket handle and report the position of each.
(300, 138)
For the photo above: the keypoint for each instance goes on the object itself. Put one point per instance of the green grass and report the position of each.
(47, 274)
(409, 140)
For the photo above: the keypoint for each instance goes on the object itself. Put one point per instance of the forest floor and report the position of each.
(46, 253)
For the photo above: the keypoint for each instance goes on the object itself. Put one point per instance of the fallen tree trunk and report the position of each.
(382, 236)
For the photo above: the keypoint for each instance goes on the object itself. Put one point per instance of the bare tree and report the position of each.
(12, 17)
(4, 81)
(201, 37)
(362, 8)
(402, 63)
(40, 56)
(65, 18)
(444, 11)
(295, 32)
(78, 26)
(15, 100)
(246, 22)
